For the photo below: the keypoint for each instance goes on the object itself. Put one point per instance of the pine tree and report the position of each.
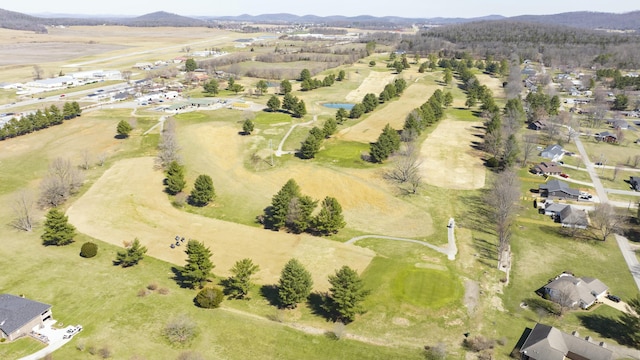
(299, 213)
(330, 127)
(295, 284)
(341, 115)
(346, 295)
(289, 102)
(300, 109)
(274, 103)
(239, 283)
(330, 219)
(276, 214)
(285, 87)
(175, 178)
(198, 268)
(57, 230)
(309, 147)
(123, 129)
(131, 255)
(203, 191)
(247, 126)
(76, 108)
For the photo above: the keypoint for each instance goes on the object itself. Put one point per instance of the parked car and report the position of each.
(63, 95)
(564, 175)
(613, 298)
(598, 164)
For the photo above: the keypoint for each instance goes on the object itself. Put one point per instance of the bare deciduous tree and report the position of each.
(24, 212)
(503, 199)
(37, 72)
(605, 221)
(85, 159)
(102, 158)
(62, 180)
(406, 167)
(529, 144)
(168, 147)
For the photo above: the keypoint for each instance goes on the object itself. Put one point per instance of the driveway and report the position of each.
(55, 337)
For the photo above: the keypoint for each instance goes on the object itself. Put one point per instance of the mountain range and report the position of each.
(584, 19)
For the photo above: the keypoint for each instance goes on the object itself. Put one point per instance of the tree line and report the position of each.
(39, 120)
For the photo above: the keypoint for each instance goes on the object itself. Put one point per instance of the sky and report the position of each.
(405, 8)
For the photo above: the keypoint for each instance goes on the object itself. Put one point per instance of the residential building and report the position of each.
(553, 152)
(547, 168)
(570, 291)
(19, 316)
(558, 189)
(545, 342)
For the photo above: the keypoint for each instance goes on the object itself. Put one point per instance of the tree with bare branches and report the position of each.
(406, 167)
(529, 144)
(168, 146)
(605, 221)
(62, 181)
(503, 200)
(24, 211)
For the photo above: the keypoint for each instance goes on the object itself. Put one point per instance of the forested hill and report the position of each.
(588, 20)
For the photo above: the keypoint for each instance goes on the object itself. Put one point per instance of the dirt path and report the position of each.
(445, 251)
(280, 152)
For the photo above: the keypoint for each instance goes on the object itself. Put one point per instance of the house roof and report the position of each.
(552, 151)
(572, 216)
(556, 208)
(578, 290)
(548, 343)
(548, 167)
(607, 134)
(559, 185)
(16, 311)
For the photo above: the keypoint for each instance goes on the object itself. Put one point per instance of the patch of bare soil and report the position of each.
(448, 158)
(128, 202)
(471, 295)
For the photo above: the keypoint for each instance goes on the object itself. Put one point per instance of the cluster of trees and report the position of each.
(387, 143)
(39, 120)
(398, 64)
(308, 83)
(203, 191)
(542, 105)
(427, 114)
(345, 297)
(311, 145)
(233, 86)
(370, 102)
(291, 210)
(617, 80)
(291, 103)
(62, 180)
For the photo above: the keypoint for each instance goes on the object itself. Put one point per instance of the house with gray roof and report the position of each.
(553, 152)
(570, 291)
(545, 342)
(558, 189)
(634, 181)
(572, 217)
(19, 316)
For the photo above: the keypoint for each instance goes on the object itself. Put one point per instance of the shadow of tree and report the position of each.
(317, 302)
(606, 327)
(178, 278)
(478, 215)
(270, 293)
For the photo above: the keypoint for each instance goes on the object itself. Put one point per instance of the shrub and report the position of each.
(478, 343)
(152, 286)
(190, 355)
(105, 352)
(88, 250)
(92, 350)
(180, 330)
(163, 291)
(493, 162)
(209, 298)
(143, 292)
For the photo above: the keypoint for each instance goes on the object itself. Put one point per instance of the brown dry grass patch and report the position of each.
(128, 202)
(448, 160)
(374, 83)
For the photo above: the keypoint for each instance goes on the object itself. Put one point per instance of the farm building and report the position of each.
(546, 342)
(19, 316)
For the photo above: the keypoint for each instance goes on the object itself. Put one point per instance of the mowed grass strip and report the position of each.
(426, 287)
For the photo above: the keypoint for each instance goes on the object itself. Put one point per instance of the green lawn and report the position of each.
(426, 287)
(343, 154)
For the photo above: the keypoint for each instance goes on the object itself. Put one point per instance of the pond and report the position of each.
(345, 106)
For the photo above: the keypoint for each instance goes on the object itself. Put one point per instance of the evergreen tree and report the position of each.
(276, 214)
(305, 74)
(400, 85)
(346, 295)
(131, 255)
(203, 191)
(370, 102)
(341, 75)
(356, 111)
(247, 126)
(231, 81)
(76, 108)
(124, 129)
(448, 76)
(212, 87)
(68, 111)
(341, 115)
(299, 213)
(300, 109)
(289, 102)
(190, 65)
(295, 284)
(388, 142)
(198, 268)
(330, 127)
(448, 99)
(262, 87)
(285, 87)
(310, 147)
(274, 103)
(239, 283)
(175, 178)
(57, 230)
(330, 219)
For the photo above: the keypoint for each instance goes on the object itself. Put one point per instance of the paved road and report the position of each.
(623, 243)
(451, 237)
(623, 192)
